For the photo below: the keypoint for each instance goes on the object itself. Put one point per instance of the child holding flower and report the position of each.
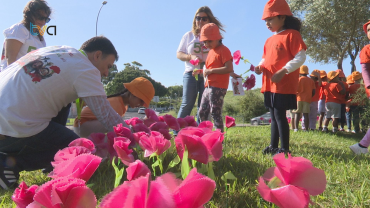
(284, 53)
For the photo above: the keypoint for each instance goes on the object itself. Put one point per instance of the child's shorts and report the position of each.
(321, 106)
(333, 110)
(303, 107)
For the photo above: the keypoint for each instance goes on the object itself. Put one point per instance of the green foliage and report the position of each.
(361, 97)
(175, 91)
(111, 74)
(131, 72)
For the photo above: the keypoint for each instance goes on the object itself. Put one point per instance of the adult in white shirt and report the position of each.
(22, 38)
(36, 87)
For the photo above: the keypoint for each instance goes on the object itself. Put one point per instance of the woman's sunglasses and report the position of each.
(198, 18)
(47, 19)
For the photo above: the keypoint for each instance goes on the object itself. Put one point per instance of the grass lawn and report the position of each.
(347, 175)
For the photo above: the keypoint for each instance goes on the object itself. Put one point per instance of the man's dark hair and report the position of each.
(100, 43)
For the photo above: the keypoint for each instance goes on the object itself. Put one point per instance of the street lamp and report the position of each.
(96, 27)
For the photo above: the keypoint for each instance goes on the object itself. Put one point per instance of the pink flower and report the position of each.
(64, 192)
(138, 135)
(230, 121)
(101, 145)
(261, 118)
(250, 82)
(158, 125)
(155, 143)
(166, 133)
(141, 127)
(194, 62)
(171, 122)
(202, 144)
(150, 114)
(23, 195)
(191, 121)
(236, 57)
(160, 118)
(124, 153)
(182, 123)
(148, 122)
(206, 124)
(122, 131)
(165, 191)
(69, 153)
(292, 182)
(133, 121)
(84, 143)
(252, 68)
(270, 120)
(82, 166)
(136, 170)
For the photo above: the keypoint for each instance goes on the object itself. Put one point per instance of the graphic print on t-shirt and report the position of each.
(40, 69)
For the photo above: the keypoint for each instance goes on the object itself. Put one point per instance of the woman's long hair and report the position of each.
(212, 19)
(292, 23)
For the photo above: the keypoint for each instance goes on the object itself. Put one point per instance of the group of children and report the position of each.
(329, 94)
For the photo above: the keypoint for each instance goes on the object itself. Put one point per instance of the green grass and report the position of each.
(347, 175)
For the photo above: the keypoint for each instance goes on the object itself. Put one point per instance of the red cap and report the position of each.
(210, 31)
(365, 26)
(276, 7)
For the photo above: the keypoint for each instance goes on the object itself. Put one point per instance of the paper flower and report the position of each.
(191, 121)
(250, 82)
(252, 68)
(122, 131)
(133, 121)
(206, 124)
(194, 62)
(69, 153)
(155, 143)
(182, 123)
(158, 125)
(230, 121)
(136, 169)
(82, 166)
(64, 192)
(202, 144)
(23, 195)
(166, 133)
(124, 153)
(138, 135)
(291, 182)
(101, 144)
(141, 127)
(160, 118)
(150, 114)
(84, 143)
(165, 191)
(171, 122)
(236, 57)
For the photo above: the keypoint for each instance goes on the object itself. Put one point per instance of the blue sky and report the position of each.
(150, 31)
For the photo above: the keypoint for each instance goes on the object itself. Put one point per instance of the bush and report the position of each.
(252, 104)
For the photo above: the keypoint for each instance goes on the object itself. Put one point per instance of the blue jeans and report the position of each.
(191, 89)
(37, 151)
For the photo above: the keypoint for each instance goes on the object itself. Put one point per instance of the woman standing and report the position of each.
(25, 36)
(191, 48)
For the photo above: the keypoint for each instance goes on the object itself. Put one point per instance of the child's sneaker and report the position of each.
(353, 131)
(8, 177)
(320, 128)
(335, 130)
(341, 129)
(295, 130)
(358, 150)
(325, 129)
(348, 130)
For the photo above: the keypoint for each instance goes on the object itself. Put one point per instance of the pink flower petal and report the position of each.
(123, 151)
(23, 195)
(194, 62)
(182, 123)
(171, 122)
(236, 57)
(84, 143)
(69, 153)
(250, 82)
(133, 121)
(252, 68)
(160, 118)
(155, 143)
(148, 122)
(150, 114)
(122, 131)
(213, 142)
(230, 121)
(138, 135)
(158, 125)
(141, 127)
(206, 124)
(101, 145)
(166, 133)
(195, 146)
(136, 170)
(191, 121)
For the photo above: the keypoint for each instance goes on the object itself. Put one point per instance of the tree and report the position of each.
(331, 28)
(175, 89)
(111, 74)
(130, 73)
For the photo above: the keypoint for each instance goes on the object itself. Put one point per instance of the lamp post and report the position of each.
(97, 18)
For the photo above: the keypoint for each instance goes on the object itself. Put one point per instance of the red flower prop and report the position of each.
(136, 170)
(194, 62)
(202, 144)
(124, 153)
(23, 195)
(191, 121)
(64, 192)
(182, 123)
(230, 121)
(160, 118)
(158, 125)
(166, 133)
(133, 121)
(84, 143)
(141, 127)
(148, 122)
(101, 145)
(291, 182)
(206, 124)
(150, 114)
(171, 122)
(138, 135)
(236, 57)
(250, 82)
(165, 191)
(122, 131)
(155, 143)
(252, 68)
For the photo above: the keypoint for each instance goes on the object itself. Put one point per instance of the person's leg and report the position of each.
(313, 115)
(217, 101)
(62, 116)
(283, 128)
(200, 88)
(297, 118)
(36, 152)
(349, 120)
(342, 116)
(274, 130)
(306, 121)
(361, 147)
(189, 95)
(356, 118)
(321, 107)
(90, 127)
(365, 142)
(292, 120)
(328, 116)
(205, 105)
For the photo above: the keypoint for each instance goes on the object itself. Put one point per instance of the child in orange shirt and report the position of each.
(322, 98)
(284, 53)
(355, 107)
(333, 91)
(343, 100)
(350, 82)
(305, 92)
(219, 65)
(315, 76)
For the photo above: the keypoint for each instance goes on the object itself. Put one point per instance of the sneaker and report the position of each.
(353, 131)
(295, 130)
(270, 150)
(320, 128)
(335, 130)
(282, 150)
(348, 130)
(341, 129)
(8, 178)
(358, 150)
(325, 129)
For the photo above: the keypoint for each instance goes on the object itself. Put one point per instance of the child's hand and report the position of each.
(235, 76)
(207, 72)
(279, 75)
(196, 72)
(258, 69)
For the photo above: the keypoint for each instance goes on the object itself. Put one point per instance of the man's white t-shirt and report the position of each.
(190, 44)
(30, 42)
(36, 87)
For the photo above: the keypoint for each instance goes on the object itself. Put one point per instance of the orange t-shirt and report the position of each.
(322, 94)
(332, 93)
(343, 98)
(365, 55)
(87, 115)
(217, 58)
(305, 87)
(316, 97)
(279, 49)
